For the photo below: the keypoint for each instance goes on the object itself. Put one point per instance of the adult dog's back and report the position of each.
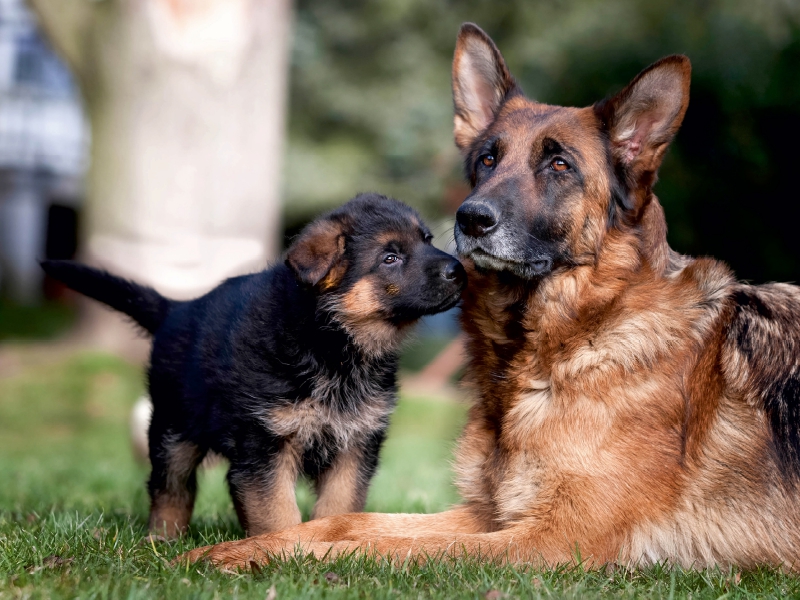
(631, 403)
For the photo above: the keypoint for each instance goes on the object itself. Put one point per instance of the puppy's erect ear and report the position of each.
(314, 254)
(481, 82)
(642, 120)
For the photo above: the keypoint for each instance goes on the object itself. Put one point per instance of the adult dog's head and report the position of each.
(549, 181)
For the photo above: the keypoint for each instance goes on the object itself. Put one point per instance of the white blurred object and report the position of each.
(209, 34)
(186, 100)
(140, 422)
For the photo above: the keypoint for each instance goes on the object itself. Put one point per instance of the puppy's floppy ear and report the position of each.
(319, 247)
(642, 120)
(481, 82)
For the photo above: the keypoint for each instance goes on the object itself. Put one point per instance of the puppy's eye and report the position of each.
(428, 238)
(390, 259)
(559, 164)
(488, 160)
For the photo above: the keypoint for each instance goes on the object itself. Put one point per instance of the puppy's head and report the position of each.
(372, 264)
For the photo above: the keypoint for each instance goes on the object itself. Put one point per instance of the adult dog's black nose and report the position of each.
(454, 271)
(476, 219)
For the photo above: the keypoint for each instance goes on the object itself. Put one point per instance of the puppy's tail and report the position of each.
(143, 304)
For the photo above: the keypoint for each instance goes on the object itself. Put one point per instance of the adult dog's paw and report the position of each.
(241, 555)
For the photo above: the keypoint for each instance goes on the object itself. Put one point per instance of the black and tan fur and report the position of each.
(631, 404)
(288, 371)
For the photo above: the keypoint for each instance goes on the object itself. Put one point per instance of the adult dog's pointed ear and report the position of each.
(642, 120)
(481, 82)
(316, 252)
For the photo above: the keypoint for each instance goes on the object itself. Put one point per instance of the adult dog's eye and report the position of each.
(390, 259)
(488, 160)
(559, 164)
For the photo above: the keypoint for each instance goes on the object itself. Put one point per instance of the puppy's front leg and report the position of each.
(264, 492)
(342, 487)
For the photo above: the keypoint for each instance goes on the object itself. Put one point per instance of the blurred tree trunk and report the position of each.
(186, 100)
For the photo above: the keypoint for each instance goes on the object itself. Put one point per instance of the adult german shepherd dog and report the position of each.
(632, 404)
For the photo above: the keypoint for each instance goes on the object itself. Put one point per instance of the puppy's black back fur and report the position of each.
(253, 335)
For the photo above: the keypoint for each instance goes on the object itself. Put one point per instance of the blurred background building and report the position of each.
(43, 152)
(369, 108)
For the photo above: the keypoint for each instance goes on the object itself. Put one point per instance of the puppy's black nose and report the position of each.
(454, 271)
(476, 219)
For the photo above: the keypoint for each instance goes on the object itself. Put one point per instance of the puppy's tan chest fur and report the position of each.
(308, 421)
(341, 412)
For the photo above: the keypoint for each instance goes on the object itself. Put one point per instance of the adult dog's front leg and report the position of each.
(503, 546)
(343, 528)
(365, 526)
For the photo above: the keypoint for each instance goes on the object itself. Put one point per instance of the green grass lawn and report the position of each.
(73, 510)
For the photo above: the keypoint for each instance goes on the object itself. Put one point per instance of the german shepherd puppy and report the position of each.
(287, 371)
(632, 404)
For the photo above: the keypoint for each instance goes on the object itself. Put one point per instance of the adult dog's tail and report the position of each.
(143, 304)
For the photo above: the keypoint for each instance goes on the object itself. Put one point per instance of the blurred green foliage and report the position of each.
(370, 105)
(43, 321)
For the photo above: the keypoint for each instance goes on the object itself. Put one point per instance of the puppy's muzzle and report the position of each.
(453, 272)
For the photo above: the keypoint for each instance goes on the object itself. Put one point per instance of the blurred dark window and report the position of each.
(62, 232)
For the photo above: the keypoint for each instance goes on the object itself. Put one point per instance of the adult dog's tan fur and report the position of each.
(631, 404)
